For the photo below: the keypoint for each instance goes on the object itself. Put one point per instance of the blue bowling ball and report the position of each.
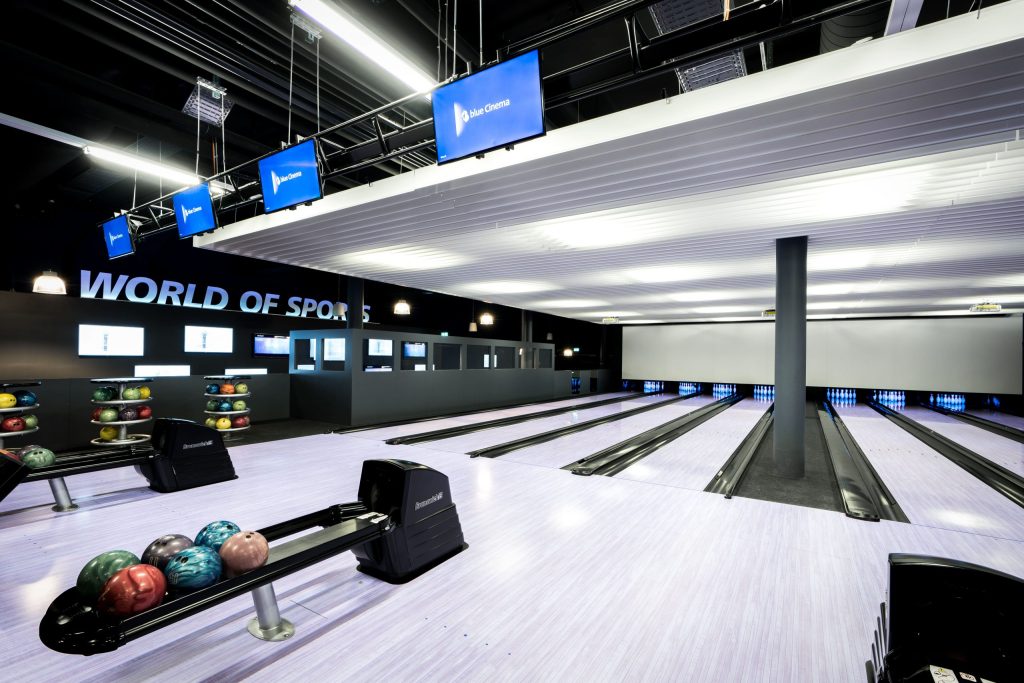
(214, 534)
(25, 397)
(193, 568)
(213, 388)
(224, 407)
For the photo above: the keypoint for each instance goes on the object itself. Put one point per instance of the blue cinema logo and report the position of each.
(278, 179)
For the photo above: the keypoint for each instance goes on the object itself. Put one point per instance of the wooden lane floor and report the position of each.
(566, 578)
(1002, 418)
(692, 460)
(999, 449)
(931, 489)
(430, 424)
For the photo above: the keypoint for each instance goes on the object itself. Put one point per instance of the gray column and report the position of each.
(526, 331)
(790, 355)
(355, 303)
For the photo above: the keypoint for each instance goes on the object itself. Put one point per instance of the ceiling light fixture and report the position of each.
(402, 307)
(567, 353)
(609, 320)
(768, 313)
(986, 307)
(472, 327)
(49, 283)
(153, 168)
(486, 319)
(349, 30)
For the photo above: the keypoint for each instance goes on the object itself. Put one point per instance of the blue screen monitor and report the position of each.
(492, 108)
(290, 177)
(193, 210)
(270, 345)
(414, 349)
(117, 235)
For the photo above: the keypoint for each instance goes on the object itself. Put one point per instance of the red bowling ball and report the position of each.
(145, 412)
(132, 590)
(12, 424)
(96, 413)
(238, 422)
(243, 552)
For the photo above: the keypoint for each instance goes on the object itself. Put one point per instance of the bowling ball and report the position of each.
(12, 424)
(193, 568)
(212, 404)
(104, 394)
(37, 456)
(241, 388)
(144, 392)
(211, 422)
(131, 394)
(159, 552)
(8, 400)
(132, 590)
(9, 454)
(96, 413)
(31, 421)
(227, 388)
(215, 533)
(213, 388)
(108, 433)
(108, 415)
(246, 418)
(238, 405)
(223, 423)
(145, 412)
(243, 552)
(25, 397)
(100, 568)
(128, 414)
(238, 422)
(224, 406)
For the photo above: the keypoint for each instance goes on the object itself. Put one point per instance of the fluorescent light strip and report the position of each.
(143, 165)
(350, 31)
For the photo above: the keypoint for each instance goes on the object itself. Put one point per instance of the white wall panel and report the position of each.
(940, 354)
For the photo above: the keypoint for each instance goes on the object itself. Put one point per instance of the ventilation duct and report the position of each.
(670, 15)
(846, 30)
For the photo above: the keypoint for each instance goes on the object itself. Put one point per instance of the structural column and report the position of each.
(790, 355)
(355, 303)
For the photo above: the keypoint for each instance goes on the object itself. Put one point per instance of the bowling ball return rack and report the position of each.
(18, 411)
(403, 525)
(182, 455)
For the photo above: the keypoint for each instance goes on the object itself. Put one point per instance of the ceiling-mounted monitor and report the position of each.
(290, 177)
(117, 235)
(193, 210)
(493, 108)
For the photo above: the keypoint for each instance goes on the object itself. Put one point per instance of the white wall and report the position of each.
(980, 354)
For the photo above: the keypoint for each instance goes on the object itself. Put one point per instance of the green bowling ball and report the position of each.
(212, 404)
(211, 422)
(37, 456)
(131, 394)
(238, 405)
(241, 388)
(100, 394)
(100, 568)
(108, 415)
(31, 421)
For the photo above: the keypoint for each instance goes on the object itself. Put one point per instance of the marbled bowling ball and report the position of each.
(8, 400)
(132, 590)
(25, 397)
(108, 415)
(215, 533)
(213, 388)
(227, 388)
(12, 424)
(224, 406)
(31, 421)
(238, 422)
(108, 433)
(37, 456)
(193, 568)
(131, 394)
(212, 404)
(159, 552)
(145, 412)
(128, 414)
(211, 422)
(145, 392)
(241, 388)
(104, 394)
(100, 568)
(243, 552)
(238, 405)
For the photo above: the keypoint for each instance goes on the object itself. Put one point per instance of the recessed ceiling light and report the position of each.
(571, 303)
(508, 287)
(719, 295)
(852, 259)
(404, 257)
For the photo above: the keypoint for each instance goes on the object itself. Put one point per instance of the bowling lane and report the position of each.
(1002, 418)
(562, 451)
(499, 435)
(693, 459)
(430, 424)
(1000, 450)
(931, 490)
